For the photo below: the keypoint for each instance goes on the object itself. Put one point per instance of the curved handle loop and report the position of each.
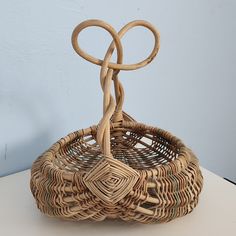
(116, 66)
(109, 71)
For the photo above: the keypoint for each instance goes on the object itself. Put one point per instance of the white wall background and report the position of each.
(47, 91)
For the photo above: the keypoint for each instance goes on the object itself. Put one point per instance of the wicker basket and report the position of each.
(119, 168)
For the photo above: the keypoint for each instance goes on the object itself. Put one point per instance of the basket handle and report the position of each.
(109, 71)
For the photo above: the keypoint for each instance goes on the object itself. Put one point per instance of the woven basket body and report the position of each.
(119, 168)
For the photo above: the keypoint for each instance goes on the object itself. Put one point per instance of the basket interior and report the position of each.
(138, 149)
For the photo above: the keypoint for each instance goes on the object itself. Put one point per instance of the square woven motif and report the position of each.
(111, 180)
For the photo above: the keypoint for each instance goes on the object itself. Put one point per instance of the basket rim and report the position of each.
(181, 162)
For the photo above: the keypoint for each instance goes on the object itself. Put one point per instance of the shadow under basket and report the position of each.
(119, 168)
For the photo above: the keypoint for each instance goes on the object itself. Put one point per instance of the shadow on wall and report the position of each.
(25, 132)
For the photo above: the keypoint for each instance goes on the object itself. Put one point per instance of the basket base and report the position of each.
(167, 182)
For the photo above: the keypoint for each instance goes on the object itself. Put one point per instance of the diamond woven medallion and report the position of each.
(110, 180)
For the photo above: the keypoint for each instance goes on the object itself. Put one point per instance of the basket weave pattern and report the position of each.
(119, 168)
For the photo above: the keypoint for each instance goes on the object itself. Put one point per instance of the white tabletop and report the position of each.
(214, 215)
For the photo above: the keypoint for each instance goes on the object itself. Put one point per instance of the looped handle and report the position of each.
(109, 71)
(116, 37)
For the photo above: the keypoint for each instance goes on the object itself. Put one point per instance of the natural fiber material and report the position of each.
(119, 168)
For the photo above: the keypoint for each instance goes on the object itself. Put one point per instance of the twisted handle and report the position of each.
(109, 71)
